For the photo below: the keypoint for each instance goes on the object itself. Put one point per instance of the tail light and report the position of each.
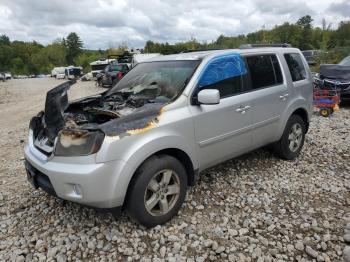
(119, 75)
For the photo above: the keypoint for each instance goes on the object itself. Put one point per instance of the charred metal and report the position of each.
(119, 114)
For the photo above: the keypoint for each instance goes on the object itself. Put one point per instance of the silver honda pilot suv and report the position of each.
(139, 145)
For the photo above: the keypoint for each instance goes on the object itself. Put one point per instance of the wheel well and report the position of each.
(184, 159)
(179, 155)
(303, 114)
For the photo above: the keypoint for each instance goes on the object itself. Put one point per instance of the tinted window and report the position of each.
(277, 69)
(264, 71)
(345, 61)
(296, 67)
(120, 68)
(227, 87)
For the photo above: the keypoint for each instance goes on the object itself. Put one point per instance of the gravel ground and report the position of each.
(254, 208)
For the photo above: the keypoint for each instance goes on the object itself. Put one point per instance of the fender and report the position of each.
(137, 148)
(297, 103)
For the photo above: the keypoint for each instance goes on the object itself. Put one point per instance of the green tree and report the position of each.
(305, 23)
(84, 59)
(18, 66)
(4, 40)
(74, 46)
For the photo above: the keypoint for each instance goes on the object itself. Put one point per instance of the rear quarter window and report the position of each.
(296, 67)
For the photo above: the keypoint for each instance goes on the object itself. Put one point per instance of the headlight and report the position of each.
(78, 142)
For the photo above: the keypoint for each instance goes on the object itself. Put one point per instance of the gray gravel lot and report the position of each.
(254, 208)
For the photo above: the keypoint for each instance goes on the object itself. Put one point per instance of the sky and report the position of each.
(107, 23)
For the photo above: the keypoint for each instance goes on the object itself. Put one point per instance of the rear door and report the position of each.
(222, 131)
(269, 96)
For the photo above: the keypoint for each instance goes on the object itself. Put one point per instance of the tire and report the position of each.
(285, 148)
(326, 112)
(142, 190)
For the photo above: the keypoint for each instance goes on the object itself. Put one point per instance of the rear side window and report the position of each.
(296, 66)
(264, 71)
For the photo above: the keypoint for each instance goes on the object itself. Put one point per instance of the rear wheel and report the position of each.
(292, 140)
(157, 191)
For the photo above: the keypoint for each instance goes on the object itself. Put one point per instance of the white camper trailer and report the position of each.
(138, 58)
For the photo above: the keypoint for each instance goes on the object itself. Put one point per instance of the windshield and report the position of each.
(156, 79)
(345, 61)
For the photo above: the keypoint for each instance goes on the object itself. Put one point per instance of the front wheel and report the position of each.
(292, 140)
(157, 190)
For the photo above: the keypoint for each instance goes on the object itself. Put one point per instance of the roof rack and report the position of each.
(199, 50)
(247, 46)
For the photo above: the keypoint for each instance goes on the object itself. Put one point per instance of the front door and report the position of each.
(222, 131)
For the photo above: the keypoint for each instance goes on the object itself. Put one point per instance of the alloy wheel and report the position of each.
(162, 192)
(295, 137)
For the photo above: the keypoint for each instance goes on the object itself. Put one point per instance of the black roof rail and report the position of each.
(200, 50)
(247, 46)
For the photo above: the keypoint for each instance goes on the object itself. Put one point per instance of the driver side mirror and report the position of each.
(208, 97)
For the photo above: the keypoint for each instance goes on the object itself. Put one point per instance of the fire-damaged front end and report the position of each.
(75, 132)
(77, 150)
(79, 128)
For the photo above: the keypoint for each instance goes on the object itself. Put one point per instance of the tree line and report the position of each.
(20, 57)
(334, 42)
(24, 58)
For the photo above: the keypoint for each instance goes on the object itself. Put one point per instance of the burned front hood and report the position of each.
(115, 115)
(336, 72)
(139, 121)
(55, 105)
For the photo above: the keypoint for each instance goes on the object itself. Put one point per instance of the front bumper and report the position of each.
(79, 179)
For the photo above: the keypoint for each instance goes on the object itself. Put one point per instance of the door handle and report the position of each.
(242, 109)
(284, 97)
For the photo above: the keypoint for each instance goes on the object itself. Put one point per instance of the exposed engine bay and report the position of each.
(132, 106)
(114, 114)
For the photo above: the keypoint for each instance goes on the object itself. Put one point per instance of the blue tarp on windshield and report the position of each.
(221, 68)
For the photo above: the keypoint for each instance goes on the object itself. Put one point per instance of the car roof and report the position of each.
(199, 55)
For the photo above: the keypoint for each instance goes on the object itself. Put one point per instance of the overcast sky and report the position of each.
(107, 23)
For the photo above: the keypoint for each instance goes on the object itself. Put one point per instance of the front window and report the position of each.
(224, 74)
(345, 61)
(156, 80)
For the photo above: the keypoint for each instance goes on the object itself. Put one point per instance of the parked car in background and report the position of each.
(73, 72)
(8, 75)
(335, 76)
(58, 72)
(141, 144)
(311, 56)
(112, 74)
(87, 77)
(2, 76)
(98, 65)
